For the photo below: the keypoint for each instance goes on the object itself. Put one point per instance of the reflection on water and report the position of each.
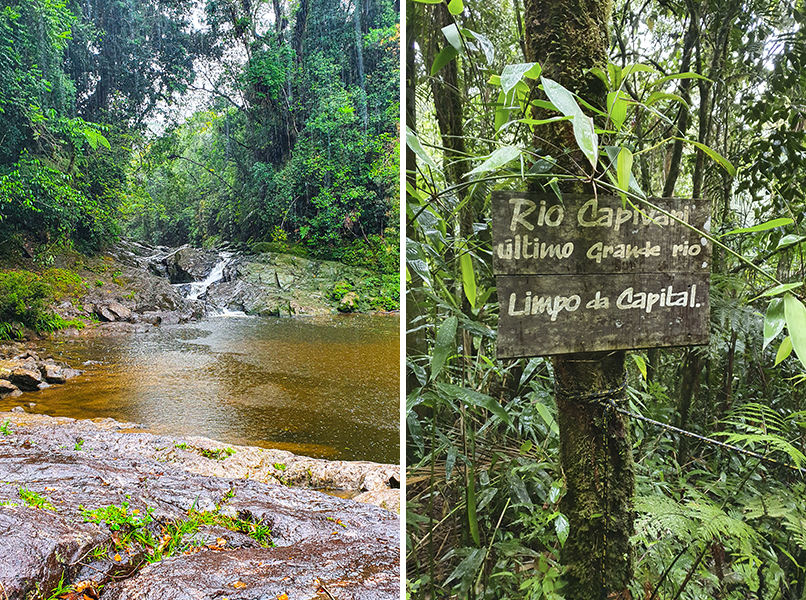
(325, 387)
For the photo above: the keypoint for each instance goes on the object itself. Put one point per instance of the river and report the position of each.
(326, 387)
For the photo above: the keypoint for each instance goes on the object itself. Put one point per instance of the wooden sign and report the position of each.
(589, 274)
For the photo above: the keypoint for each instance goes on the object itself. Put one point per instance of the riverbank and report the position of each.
(132, 287)
(134, 515)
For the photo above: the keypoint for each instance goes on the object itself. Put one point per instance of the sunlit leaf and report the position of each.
(762, 226)
(658, 96)
(726, 164)
(789, 240)
(413, 142)
(454, 37)
(617, 105)
(497, 159)
(795, 314)
(687, 75)
(487, 46)
(624, 170)
(562, 527)
(468, 277)
(446, 55)
(784, 350)
(455, 7)
(640, 363)
(512, 74)
(780, 289)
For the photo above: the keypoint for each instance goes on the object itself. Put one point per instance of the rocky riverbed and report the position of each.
(120, 514)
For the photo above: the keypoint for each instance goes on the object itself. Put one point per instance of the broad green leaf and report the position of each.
(465, 572)
(789, 240)
(624, 170)
(468, 277)
(762, 226)
(429, 1)
(512, 74)
(497, 159)
(416, 261)
(443, 345)
(413, 142)
(455, 7)
(795, 314)
(486, 45)
(601, 75)
(561, 98)
(687, 75)
(472, 518)
(612, 154)
(446, 55)
(774, 321)
(474, 398)
(780, 289)
(501, 112)
(451, 33)
(526, 447)
(562, 527)
(658, 96)
(534, 122)
(546, 416)
(636, 68)
(586, 138)
(784, 350)
(726, 164)
(640, 363)
(617, 107)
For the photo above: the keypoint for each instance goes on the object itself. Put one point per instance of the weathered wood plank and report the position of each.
(561, 314)
(535, 234)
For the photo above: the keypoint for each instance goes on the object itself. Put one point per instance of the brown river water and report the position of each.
(326, 387)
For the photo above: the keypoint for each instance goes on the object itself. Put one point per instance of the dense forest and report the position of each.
(679, 98)
(267, 124)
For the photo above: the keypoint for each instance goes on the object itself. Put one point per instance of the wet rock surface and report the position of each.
(320, 541)
(279, 285)
(23, 370)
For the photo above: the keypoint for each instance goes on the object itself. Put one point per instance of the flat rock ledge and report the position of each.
(53, 470)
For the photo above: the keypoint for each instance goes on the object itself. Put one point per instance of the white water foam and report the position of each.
(197, 288)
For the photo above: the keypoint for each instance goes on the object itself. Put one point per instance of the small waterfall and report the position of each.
(197, 288)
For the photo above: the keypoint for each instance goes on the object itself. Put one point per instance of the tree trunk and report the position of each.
(567, 37)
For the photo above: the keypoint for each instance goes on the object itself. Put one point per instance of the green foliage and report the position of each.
(34, 500)
(25, 296)
(710, 523)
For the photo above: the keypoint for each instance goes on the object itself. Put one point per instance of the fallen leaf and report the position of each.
(238, 585)
(282, 597)
(118, 558)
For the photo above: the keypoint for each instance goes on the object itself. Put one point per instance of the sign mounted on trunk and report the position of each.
(587, 273)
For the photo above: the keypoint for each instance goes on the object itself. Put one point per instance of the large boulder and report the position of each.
(189, 264)
(26, 377)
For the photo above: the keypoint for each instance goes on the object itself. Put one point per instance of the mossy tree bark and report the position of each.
(567, 37)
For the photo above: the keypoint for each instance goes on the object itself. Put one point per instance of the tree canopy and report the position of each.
(177, 121)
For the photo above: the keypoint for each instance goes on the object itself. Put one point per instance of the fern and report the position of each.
(759, 425)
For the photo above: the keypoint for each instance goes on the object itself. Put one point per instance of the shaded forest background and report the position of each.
(707, 99)
(177, 121)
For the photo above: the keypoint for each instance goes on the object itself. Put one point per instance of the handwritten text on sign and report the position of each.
(590, 274)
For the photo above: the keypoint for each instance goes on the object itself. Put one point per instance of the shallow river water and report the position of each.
(326, 387)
